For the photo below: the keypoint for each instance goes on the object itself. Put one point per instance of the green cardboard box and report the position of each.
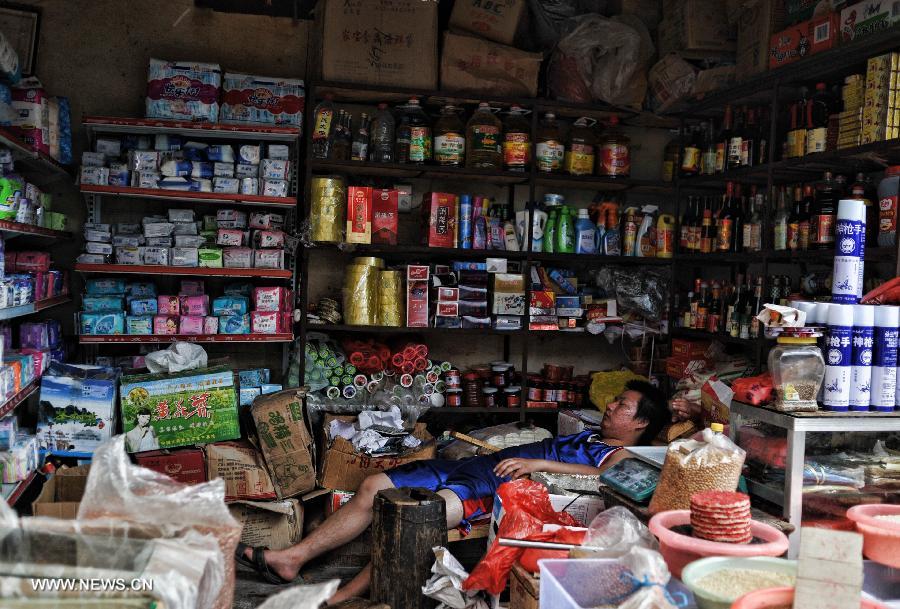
(170, 410)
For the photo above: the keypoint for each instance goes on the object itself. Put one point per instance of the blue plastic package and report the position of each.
(103, 323)
(96, 287)
(220, 153)
(248, 394)
(139, 289)
(102, 304)
(253, 378)
(238, 289)
(139, 324)
(234, 324)
(142, 306)
(65, 131)
(231, 305)
(267, 388)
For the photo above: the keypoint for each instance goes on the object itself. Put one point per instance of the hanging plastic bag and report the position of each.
(607, 58)
(553, 19)
(527, 509)
(691, 466)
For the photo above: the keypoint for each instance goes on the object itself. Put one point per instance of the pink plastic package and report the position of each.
(210, 325)
(195, 305)
(32, 262)
(271, 299)
(265, 322)
(269, 238)
(32, 121)
(191, 287)
(191, 324)
(183, 90)
(230, 237)
(167, 305)
(165, 324)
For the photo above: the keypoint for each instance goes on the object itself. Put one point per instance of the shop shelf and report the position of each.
(112, 124)
(462, 410)
(36, 163)
(561, 258)
(720, 258)
(722, 338)
(198, 271)
(183, 196)
(23, 394)
(404, 330)
(414, 251)
(91, 339)
(632, 185)
(32, 307)
(17, 229)
(409, 171)
(13, 491)
(873, 254)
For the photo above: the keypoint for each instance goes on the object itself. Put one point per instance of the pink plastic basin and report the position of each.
(771, 598)
(881, 538)
(678, 550)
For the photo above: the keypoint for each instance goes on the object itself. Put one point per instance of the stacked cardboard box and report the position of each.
(850, 120)
(880, 104)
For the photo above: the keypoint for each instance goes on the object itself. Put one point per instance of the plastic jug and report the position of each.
(565, 232)
(665, 236)
(587, 238)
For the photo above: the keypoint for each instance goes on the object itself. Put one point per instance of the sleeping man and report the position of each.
(467, 486)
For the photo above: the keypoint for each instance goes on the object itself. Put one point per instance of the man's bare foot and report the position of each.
(279, 562)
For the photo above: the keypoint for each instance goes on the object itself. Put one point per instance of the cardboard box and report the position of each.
(478, 65)
(180, 409)
(496, 20)
(679, 367)
(713, 79)
(385, 216)
(683, 346)
(696, 25)
(380, 43)
(359, 214)
(440, 212)
(78, 408)
(670, 80)
(343, 468)
(242, 468)
(285, 441)
(803, 40)
(62, 493)
(866, 18)
(755, 29)
(187, 466)
(796, 11)
(524, 589)
(417, 296)
(269, 524)
(648, 11)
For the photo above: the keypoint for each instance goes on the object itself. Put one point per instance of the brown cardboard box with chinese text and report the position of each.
(496, 20)
(480, 66)
(269, 524)
(285, 441)
(242, 468)
(186, 466)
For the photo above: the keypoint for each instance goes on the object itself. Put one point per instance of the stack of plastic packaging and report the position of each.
(175, 540)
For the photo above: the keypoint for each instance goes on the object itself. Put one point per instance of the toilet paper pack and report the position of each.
(262, 99)
(183, 90)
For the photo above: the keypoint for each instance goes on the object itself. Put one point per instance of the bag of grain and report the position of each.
(711, 464)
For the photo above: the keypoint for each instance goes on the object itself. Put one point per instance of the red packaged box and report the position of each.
(448, 294)
(417, 296)
(359, 214)
(186, 466)
(682, 346)
(803, 39)
(385, 215)
(543, 299)
(679, 367)
(447, 309)
(440, 214)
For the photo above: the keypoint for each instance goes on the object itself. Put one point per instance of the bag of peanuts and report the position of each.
(691, 466)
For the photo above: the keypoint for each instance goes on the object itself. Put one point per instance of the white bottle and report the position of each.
(849, 251)
(884, 359)
(586, 237)
(838, 355)
(861, 365)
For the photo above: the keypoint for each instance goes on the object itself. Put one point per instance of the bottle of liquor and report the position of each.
(762, 138)
(708, 158)
(735, 144)
(756, 238)
(734, 308)
(690, 154)
(725, 224)
(723, 141)
(686, 320)
(695, 235)
(707, 230)
(381, 145)
(807, 202)
(780, 237)
(342, 140)
(747, 232)
(748, 143)
(703, 305)
(714, 314)
(322, 127)
(818, 109)
(684, 227)
(695, 305)
(738, 219)
(360, 148)
(822, 224)
(794, 222)
(754, 306)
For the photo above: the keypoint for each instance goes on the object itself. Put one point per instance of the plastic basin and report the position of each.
(881, 538)
(782, 597)
(703, 567)
(678, 550)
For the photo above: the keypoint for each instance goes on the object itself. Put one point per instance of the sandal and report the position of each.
(258, 564)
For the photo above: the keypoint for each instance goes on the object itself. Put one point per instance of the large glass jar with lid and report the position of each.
(797, 369)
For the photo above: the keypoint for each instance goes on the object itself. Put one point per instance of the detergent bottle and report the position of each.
(550, 232)
(612, 236)
(665, 236)
(586, 233)
(565, 232)
(630, 231)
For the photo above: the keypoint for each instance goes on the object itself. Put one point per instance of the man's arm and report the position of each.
(518, 468)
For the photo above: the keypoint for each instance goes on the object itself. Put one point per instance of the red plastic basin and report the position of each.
(771, 598)
(881, 538)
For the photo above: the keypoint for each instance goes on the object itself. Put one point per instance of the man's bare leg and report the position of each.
(343, 526)
(359, 585)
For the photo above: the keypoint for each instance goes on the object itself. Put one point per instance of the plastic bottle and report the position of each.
(549, 150)
(861, 349)
(586, 233)
(516, 140)
(884, 359)
(665, 236)
(579, 155)
(449, 138)
(321, 132)
(381, 136)
(614, 149)
(849, 252)
(413, 134)
(612, 241)
(483, 135)
(565, 232)
(550, 234)
(629, 231)
(838, 357)
(887, 204)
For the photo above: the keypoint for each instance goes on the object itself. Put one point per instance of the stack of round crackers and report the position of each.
(721, 516)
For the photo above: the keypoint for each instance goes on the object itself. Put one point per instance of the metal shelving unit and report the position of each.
(96, 339)
(12, 492)
(183, 196)
(32, 307)
(187, 271)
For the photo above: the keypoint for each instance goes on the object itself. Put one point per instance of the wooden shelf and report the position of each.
(188, 196)
(91, 339)
(193, 271)
(411, 171)
(36, 164)
(234, 131)
(722, 338)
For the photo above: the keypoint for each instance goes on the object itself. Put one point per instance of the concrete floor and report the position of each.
(250, 590)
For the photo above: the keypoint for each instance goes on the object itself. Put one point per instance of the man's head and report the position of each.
(143, 417)
(636, 416)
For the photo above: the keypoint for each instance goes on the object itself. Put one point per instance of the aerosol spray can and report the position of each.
(884, 361)
(465, 222)
(838, 356)
(861, 367)
(849, 252)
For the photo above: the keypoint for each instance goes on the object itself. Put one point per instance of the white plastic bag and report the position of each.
(613, 532)
(180, 356)
(302, 597)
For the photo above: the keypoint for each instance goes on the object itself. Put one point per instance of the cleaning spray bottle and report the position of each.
(565, 232)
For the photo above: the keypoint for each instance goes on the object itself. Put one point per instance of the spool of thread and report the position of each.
(378, 263)
(836, 396)
(329, 199)
(360, 295)
(406, 380)
(861, 366)
(849, 252)
(333, 393)
(884, 359)
(349, 392)
(390, 299)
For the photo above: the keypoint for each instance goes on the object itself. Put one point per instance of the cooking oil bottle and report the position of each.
(550, 150)
(579, 156)
(516, 140)
(449, 138)
(483, 139)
